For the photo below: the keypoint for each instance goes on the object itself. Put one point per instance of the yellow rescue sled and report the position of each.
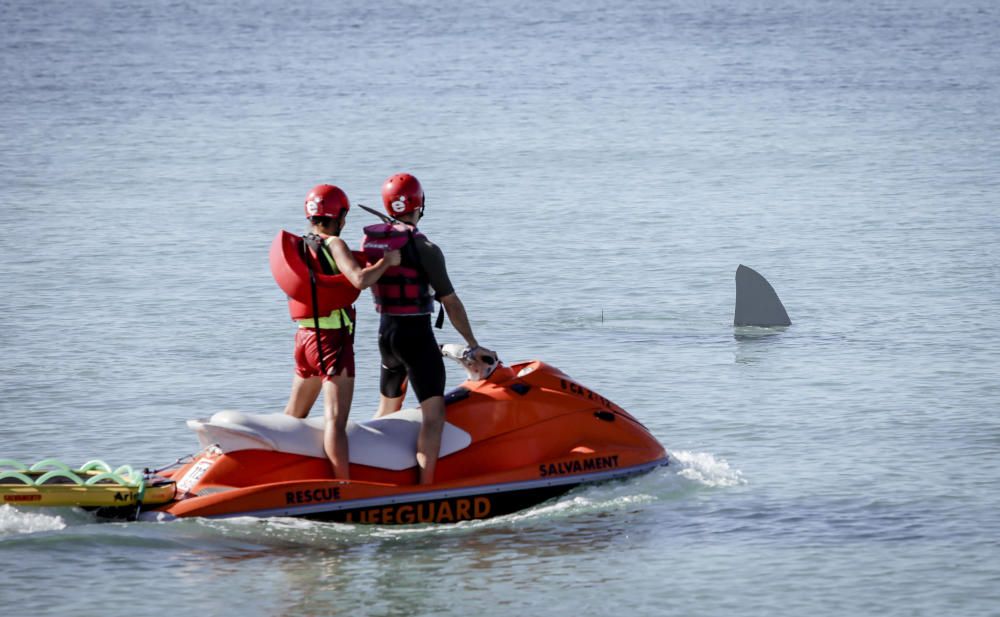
(95, 485)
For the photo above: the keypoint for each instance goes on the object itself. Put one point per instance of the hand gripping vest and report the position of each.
(293, 273)
(403, 289)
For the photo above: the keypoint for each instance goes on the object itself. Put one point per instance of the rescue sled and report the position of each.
(95, 486)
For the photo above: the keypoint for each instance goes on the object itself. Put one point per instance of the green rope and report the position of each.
(16, 475)
(52, 468)
(125, 470)
(95, 464)
(107, 475)
(59, 473)
(50, 462)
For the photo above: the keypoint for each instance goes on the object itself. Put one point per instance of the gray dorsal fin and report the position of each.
(756, 302)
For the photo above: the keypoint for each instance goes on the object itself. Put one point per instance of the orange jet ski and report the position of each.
(514, 437)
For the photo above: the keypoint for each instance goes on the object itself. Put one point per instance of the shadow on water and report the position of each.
(753, 341)
(757, 333)
(408, 570)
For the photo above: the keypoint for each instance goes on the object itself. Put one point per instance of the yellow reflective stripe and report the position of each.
(339, 317)
(328, 255)
(336, 320)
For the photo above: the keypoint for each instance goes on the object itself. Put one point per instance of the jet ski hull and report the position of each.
(377, 503)
(525, 435)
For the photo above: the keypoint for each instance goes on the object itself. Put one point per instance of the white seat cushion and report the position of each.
(389, 442)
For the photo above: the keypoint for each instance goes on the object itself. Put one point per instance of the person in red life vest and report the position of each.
(324, 342)
(403, 296)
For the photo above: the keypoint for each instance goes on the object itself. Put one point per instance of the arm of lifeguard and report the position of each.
(460, 319)
(433, 262)
(362, 278)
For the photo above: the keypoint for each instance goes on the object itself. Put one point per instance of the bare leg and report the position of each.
(338, 393)
(429, 440)
(388, 405)
(304, 393)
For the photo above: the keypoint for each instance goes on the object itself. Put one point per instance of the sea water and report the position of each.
(595, 172)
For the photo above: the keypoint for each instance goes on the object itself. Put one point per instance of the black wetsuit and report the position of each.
(407, 342)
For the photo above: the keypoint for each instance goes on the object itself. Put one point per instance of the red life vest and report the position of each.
(402, 289)
(291, 271)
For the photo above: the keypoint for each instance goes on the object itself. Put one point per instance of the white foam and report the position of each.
(15, 522)
(704, 468)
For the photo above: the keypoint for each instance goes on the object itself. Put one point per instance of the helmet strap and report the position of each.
(340, 222)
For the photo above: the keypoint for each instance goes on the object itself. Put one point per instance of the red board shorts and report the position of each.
(338, 353)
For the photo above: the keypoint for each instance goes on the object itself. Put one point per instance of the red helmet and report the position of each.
(326, 200)
(402, 193)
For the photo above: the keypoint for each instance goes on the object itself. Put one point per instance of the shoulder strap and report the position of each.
(415, 251)
(319, 249)
(315, 295)
(439, 322)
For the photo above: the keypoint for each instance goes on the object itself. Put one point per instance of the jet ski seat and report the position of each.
(389, 442)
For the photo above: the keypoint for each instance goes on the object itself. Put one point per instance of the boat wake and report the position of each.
(704, 469)
(14, 522)
(688, 472)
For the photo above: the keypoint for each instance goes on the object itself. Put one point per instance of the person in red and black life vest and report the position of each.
(329, 366)
(403, 296)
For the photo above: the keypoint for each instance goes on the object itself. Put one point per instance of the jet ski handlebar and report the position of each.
(465, 355)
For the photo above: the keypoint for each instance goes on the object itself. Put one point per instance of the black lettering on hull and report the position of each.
(315, 495)
(579, 391)
(450, 510)
(440, 511)
(594, 463)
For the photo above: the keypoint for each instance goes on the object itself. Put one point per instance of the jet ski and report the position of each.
(515, 436)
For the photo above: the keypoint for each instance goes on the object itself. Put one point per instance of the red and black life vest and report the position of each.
(402, 289)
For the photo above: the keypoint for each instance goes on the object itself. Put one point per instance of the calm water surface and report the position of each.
(595, 173)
